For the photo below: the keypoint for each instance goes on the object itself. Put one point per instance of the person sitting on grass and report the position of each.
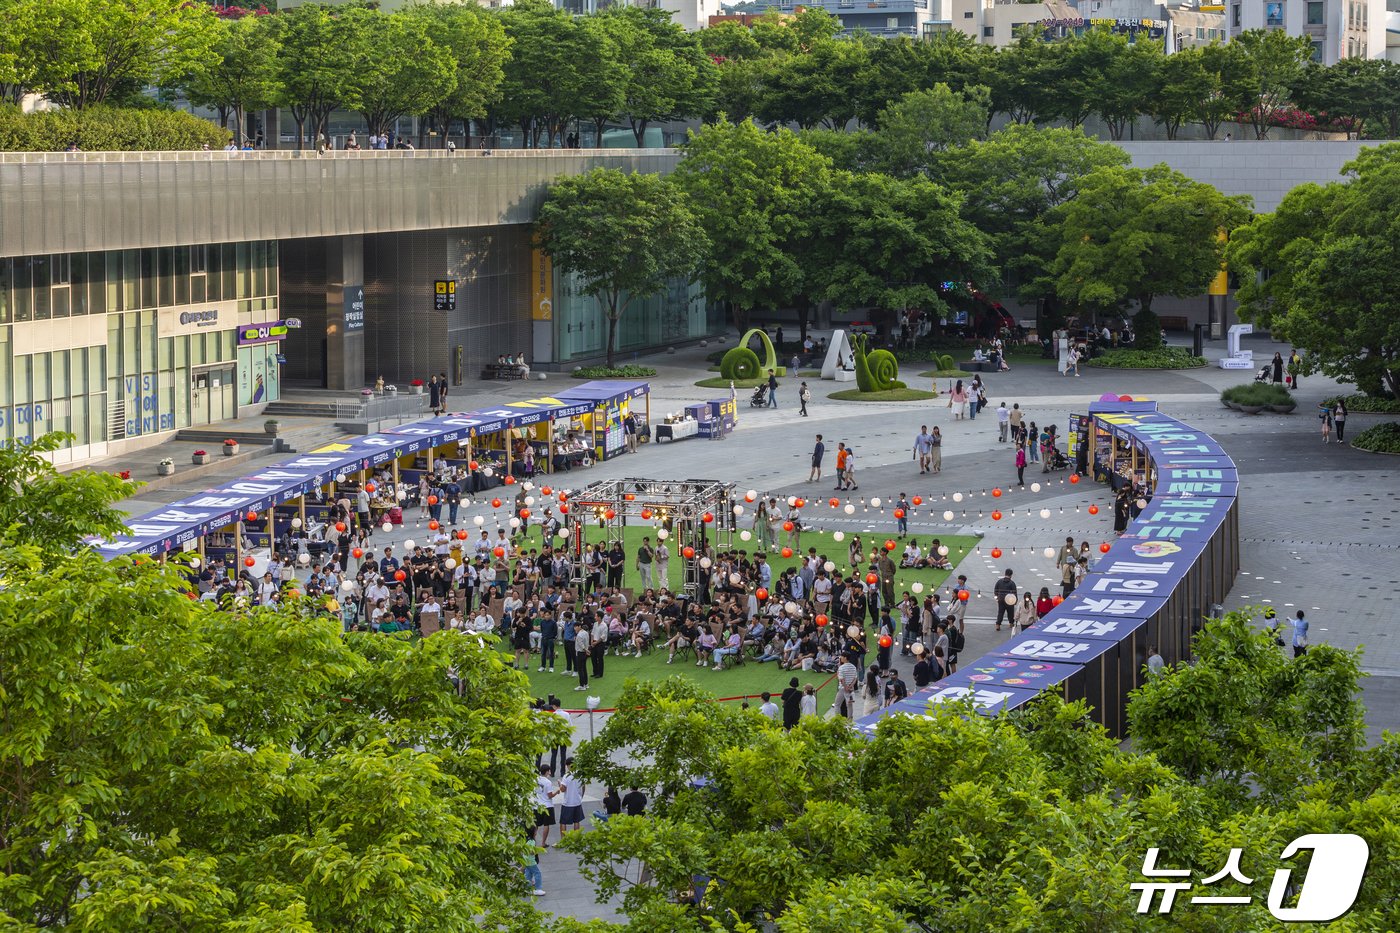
(773, 650)
(936, 560)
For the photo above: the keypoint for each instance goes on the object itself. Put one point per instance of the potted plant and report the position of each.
(272, 425)
(416, 386)
(200, 457)
(166, 467)
(391, 391)
(230, 447)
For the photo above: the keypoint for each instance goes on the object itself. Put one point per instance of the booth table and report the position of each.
(674, 432)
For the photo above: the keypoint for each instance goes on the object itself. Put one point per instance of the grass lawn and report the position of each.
(888, 395)
(751, 678)
(945, 374)
(719, 382)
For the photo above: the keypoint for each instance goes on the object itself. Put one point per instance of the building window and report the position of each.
(1273, 14)
(1314, 12)
(1200, 32)
(891, 22)
(988, 32)
(1317, 51)
(967, 14)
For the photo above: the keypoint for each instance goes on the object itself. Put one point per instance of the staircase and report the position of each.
(302, 409)
(216, 438)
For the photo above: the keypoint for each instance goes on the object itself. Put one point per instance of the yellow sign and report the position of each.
(1220, 284)
(541, 286)
(332, 449)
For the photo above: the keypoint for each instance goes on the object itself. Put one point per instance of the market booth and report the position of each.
(600, 426)
(1153, 587)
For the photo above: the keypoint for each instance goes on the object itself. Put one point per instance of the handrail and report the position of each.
(285, 155)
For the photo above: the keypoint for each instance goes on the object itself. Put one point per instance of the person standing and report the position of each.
(599, 649)
(583, 641)
(1300, 635)
(1003, 422)
(442, 393)
(957, 400)
(1295, 370)
(923, 448)
(1018, 423)
(772, 389)
(434, 393)
(936, 450)
(1005, 608)
(849, 473)
(1276, 368)
(818, 452)
(804, 395)
(1033, 442)
(902, 520)
(571, 814)
(1325, 414)
(644, 561)
(792, 704)
(1021, 463)
(545, 792)
(847, 677)
(549, 633)
(1339, 417)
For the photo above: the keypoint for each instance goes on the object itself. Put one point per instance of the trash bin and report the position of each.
(1198, 340)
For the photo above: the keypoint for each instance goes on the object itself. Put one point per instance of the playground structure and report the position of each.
(690, 514)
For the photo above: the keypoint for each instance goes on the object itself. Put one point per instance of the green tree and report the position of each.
(754, 194)
(1276, 61)
(625, 236)
(1127, 83)
(1180, 83)
(1230, 75)
(818, 87)
(316, 64)
(1316, 272)
(1024, 80)
(19, 23)
(922, 124)
(477, 42)
(175, 766)
(86, 52)
(241, 72)
(1354, 91)
(1132, 234)
(400, 71)
(669, 77)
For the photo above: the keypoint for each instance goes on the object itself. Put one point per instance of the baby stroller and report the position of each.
(1055, 460)
(1265, 374)
(759, 397)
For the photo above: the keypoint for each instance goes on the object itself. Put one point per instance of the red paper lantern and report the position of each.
(821, 621)
(761, 594)
(248, 562)
(432, 500)
(964, 596)
(917, 500)
(885, 641)
(473, 465)
(799, 503)
(563, 497)
(339, 526)
(461, 534)
(1104, 548)
(872, 578)
(630, 497)
(495, 503)
(786, 552)
(646, 513)
(1057, 599)
(524, 514)
(1093, 510)
(687, 552)
(898, 513)
(545, 490)
(370, 487)
(564, 509)
(433, 525)
(708, 517)
(996, 516)
(357, 553)
(996, 552)
(251, 516)
(610, 515)
(499, 552)
(890, 545)
(1125, 398)
(788, 526)
(1074, 477)
(400, 575)
(833, 502)
(509, 480)
(996, 493)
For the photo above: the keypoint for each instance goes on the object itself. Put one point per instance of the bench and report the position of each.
(1173, 322)
(502, 371)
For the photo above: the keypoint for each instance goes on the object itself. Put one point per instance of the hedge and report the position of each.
(1383, 438)
(106, 129)
(1161, 358)
(614, 372)
(1259, 393)
(1367, 403)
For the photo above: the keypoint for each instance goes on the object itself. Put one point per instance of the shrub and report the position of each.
(614, 372)
(740, 363)
(1258, 393)
(106, 129)
(1370, 403)
(1161, 358)
(1383, 438)
(1147, 330)
(947, 363)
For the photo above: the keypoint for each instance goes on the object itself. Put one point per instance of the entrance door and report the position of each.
(211, 396)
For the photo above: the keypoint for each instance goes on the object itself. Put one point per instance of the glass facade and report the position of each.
(678, 313)
(162, 355)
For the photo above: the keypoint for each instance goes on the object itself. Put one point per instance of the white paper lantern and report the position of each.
(849, 509)
(917, 587)
(875, 502)
(662, 534)
(450, 564)
(1044, 513)
(1049, 553)
(514, 522)
(735, 579)
(529, 501)
(1035, 487)
(790, 607)
(479, 520)
(853, 631)
(296, 523)
(386, 528)
(957, 497)
(1009, 599)
(194, 562)
(528, 486)
(745, 536)
(340, 478)
(1142, 503)
(488, 472)
(751, 495)
(738, 510)
(347, 586)
(943, 550)
(410, 544)
(705, 563)
(948, 515)
(792, 500)
(401, 495)
(838, 536)
(829, 567)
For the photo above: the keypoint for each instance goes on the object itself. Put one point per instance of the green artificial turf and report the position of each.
(885, 395)
(751, 678)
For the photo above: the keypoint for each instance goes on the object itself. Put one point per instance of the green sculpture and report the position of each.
(743, 363)
(875, 370)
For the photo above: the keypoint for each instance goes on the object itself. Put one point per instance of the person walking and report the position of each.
(1300, 635)
(849, 474)
(957, 401)
(1295, 370)
(804, 395)
(1276, 368)
(772, 389)
(443, 388)
(1018, 423)
(1339, 417)
(923, 448)
(1325, 415)
(818, 452)
(1003, 589)
(1021, 464)
(936, 450)
(840, 464)
(1003, 422)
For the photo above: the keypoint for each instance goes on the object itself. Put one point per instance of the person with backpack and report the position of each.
(957, 641)
(804, 395)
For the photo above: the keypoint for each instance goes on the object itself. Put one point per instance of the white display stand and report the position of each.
(839, 350)
(1062, 353)
(845, 375)
(1235, 358)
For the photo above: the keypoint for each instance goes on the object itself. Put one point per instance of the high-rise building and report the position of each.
(886, 18)
(1338, 28)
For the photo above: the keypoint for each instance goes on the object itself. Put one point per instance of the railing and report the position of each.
(380, 408)
(282, 155)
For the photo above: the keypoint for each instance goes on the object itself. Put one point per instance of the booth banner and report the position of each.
(987, 699)
(1017, 672)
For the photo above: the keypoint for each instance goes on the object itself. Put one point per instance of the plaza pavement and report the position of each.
(1317, 522)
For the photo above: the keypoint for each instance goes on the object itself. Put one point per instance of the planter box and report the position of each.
(416, 390)
(272, 427)
(165, 469)
(199, 459)
(230, 450)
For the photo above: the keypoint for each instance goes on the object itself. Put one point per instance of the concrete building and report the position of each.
(1338, 28)
(1173, 26)
(885, 18)
(142, 293)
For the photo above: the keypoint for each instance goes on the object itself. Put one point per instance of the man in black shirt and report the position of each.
(792, 704)
(634, 803)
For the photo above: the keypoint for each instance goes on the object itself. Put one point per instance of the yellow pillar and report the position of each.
(238, 546)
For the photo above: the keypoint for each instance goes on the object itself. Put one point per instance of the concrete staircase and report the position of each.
(216, 438)
(302, 408)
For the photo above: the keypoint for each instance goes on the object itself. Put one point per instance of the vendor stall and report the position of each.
(611, 401)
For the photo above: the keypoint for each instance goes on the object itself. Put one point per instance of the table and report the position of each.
(674, 432)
